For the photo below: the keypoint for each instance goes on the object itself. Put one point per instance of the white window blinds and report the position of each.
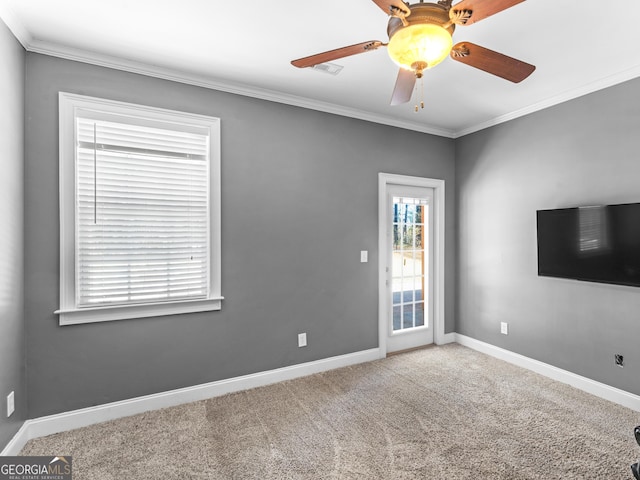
(142, 212)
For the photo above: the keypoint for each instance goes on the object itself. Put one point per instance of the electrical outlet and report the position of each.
(302, 340)
(504, 328)
(619, 360)
(11, 404)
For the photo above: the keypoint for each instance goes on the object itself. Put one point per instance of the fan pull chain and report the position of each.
(421, 79)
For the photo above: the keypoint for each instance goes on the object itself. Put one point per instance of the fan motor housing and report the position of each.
(422, 13)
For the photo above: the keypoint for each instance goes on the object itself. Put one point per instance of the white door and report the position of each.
(410, 259)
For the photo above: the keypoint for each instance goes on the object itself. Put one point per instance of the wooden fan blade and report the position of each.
(403, 90)
(393, 7)
(337, 53)
(481, 9)
(492, 62)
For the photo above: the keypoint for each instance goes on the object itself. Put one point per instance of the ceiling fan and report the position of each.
(420, 37)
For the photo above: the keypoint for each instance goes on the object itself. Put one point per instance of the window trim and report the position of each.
(69, 314)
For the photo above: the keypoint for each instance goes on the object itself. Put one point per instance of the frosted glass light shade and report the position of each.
(420, 44)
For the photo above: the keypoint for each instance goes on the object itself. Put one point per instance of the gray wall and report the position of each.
(12, 374)
(299, 202)
(583, 152)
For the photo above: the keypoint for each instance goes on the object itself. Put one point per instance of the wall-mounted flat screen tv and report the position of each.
(595, 244)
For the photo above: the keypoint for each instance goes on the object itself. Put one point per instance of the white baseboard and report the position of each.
(447, 338)
(17, 442)
(62, 422)
(88, 416)
(598, 389)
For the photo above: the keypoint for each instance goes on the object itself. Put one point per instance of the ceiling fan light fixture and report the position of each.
(418, 45)
(420, 37)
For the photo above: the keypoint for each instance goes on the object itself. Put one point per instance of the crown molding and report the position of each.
(606, 82)
(37, 46)
(141, 68)
(11, 20)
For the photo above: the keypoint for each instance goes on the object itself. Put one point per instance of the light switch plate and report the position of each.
(364, 256)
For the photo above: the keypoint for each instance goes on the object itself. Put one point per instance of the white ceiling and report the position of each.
(246, 47)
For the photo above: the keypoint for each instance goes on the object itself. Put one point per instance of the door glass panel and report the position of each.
(418, 234)
(408, 262)
(407, 316)
(418, 263)
(419, 312)
(408, 267)
(397, 316)
(407, 294)
(396, 237)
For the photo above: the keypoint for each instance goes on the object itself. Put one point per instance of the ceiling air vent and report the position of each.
(330, 68)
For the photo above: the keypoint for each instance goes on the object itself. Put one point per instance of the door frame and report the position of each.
(384, 180)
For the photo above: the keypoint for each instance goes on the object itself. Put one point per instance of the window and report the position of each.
(139, 211)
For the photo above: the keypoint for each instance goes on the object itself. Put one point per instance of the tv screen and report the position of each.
(595, 244)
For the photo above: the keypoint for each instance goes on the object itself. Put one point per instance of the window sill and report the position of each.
(123, 312)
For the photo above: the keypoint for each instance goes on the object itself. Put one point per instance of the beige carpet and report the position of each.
(440, 413)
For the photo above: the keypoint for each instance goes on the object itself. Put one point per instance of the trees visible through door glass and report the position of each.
(408, 265)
